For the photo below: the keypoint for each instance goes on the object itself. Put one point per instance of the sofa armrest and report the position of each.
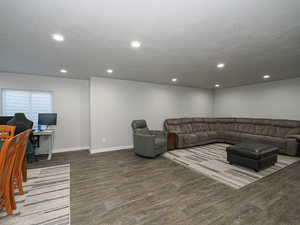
(295, 136)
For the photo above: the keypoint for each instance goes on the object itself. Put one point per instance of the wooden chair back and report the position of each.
(6, 132)
(7, 162)
(21, 162)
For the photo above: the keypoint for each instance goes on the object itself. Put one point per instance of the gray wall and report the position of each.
(98, 113)
(71, 102)
(279, 100)
(115, 103)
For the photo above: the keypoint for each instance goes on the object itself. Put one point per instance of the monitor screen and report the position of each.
(47, 118)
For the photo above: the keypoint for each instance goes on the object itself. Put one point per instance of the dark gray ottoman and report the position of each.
(252, 155)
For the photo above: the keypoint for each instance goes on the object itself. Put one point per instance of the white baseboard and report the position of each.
(109, 149)
(70, 149)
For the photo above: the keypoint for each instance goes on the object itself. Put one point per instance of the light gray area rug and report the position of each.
(46, 200)
(211, 160)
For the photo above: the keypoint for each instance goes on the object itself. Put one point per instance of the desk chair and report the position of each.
(22, 123)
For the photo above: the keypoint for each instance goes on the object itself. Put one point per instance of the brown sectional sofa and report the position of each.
(198, 131)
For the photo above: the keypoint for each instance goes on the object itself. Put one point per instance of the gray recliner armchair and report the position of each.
(148, 143)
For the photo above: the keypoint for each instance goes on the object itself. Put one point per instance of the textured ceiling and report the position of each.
(180, 38)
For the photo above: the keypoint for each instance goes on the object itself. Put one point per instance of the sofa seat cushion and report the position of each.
(190, 139)
(294, 131)
(212, 134)
(186, 140)
(202, 136)
(276, 141)
(281, 131)
(230, 135)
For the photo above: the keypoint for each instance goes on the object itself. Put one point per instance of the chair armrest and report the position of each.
(140, 135)
(144, 139)
(144, 145)
(158, 133)
(295, 136)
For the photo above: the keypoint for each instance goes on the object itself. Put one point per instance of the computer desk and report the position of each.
(49, 133)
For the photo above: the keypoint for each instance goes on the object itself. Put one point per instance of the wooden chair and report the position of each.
(7, 162)
(6, 132)
(20, 169)
(11, 162)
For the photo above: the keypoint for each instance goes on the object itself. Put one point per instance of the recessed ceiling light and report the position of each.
(63, 71)
(58, 37)
(109, 71)
(135, 44)
(217, 85)
(266, 76)
(221, 65)
(174, 79)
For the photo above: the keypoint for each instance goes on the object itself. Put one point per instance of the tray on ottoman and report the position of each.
(252, 155)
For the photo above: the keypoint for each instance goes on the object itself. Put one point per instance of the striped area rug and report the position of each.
(46, 200)
(211, 160)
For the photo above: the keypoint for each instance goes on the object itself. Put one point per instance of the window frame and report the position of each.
(2, 90)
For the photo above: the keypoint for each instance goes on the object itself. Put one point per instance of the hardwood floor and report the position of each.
(120, 188)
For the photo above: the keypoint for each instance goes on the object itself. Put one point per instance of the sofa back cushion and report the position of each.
(174, 128)
(214, 126)
(186, 128)
(172, 125)
(265, 130)
(225, 124)
(181, 125)
(244, 125)
(211, 124)
(265, 127)
(286, 123)
(199, 127)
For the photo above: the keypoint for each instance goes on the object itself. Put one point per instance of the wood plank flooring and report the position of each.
(120, 188)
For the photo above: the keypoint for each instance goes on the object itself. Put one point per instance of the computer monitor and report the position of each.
(48, 119)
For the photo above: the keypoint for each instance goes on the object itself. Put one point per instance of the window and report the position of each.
(29, 102)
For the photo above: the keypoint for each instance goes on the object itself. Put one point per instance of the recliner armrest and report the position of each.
(142, 140)
(145, 136)
(295, 136)
(158, 133)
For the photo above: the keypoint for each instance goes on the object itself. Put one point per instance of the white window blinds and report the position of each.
(29, 102)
